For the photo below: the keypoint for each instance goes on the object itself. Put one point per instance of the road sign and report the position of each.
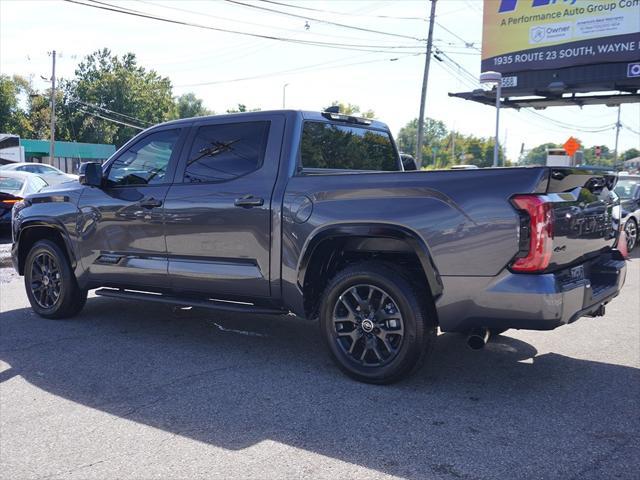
(571, 146)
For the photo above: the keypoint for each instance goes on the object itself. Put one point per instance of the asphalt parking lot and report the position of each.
(136, 390)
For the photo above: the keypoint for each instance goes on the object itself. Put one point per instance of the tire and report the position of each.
(631, 230)
(51, 286)
(387, 334)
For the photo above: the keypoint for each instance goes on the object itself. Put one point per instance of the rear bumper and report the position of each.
(529, 301)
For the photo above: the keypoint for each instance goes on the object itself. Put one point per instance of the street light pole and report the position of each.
(284, 93)
(496, 79)
(496, 147)
(425, 80)
(52, 148)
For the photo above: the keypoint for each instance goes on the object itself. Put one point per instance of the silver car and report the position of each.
(50, 174)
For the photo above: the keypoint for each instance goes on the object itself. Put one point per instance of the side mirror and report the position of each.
(90, 174)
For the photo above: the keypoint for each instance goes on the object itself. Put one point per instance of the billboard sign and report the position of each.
(530, 35)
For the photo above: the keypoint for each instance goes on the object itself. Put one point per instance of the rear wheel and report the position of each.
(375, 324)
(51, 286)
(631, 231)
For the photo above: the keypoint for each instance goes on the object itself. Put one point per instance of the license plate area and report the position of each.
(576, 273)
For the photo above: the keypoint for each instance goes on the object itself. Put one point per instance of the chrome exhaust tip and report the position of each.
(478, 338)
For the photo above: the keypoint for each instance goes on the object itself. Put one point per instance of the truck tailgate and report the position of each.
(577, 217)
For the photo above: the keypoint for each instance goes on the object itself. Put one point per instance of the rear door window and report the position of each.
(345, 147)
(226, 151)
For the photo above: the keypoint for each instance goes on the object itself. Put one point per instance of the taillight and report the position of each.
(539, 229)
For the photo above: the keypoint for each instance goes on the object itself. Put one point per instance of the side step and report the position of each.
(192, 302)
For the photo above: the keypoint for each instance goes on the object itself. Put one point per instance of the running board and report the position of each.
(191, 302)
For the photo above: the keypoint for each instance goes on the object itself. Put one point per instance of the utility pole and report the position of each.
(425, 80)
(453, 146)
(52, 149)
(618, 125)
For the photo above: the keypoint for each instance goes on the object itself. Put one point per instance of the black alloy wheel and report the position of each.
(46, 280)
(51, 286)
(377, 327)
(368, 325)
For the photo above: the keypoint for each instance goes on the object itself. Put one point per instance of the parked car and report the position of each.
(408, 162)
(310, 213)
(628, 189)
(14, 186)
(52, 175)
(463, 167)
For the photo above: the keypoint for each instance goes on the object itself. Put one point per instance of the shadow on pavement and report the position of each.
(500, 413)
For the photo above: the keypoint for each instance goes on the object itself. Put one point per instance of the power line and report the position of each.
(217, 17)
(467, 44)
(106, 110)
(304, 17)
(333, 12)
(110, 119)
(308, 68)
(470, 81)
(631, 129)
(341, 46)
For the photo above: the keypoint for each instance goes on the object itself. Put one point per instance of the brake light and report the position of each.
(539, 227)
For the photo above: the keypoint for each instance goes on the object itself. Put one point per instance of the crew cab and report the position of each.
(311, 213)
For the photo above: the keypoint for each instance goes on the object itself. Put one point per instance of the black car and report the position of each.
(14, 186)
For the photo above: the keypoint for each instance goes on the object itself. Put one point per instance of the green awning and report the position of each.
(37, 148)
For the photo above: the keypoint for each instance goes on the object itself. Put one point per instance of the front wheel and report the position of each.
(375, 324)
(631, 231)
(51, 286)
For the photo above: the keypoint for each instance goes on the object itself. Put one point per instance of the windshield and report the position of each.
(10, 185)
(626, 187)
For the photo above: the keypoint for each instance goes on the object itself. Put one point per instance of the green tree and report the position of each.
(629, 154)
(188, 105)
(538, 155)
(105, 83)
(241, 108)
(352, 109)
(436, 133)
(13, 118)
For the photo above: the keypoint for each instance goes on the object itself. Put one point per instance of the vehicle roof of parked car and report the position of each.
(306, 114)
(11, 166)
(22, 175)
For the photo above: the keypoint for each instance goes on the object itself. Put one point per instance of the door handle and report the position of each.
(150, 203)
(249, 201)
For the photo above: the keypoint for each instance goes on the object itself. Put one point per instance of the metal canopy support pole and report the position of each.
(496, 146)
(618, 125)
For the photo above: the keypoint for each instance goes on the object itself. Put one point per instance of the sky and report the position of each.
(225, 69)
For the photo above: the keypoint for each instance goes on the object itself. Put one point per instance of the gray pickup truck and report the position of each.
(312, 214)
